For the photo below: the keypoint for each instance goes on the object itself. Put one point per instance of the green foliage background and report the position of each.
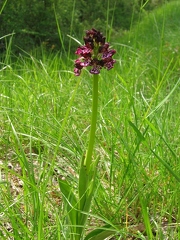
(45, 111)
(36, 22)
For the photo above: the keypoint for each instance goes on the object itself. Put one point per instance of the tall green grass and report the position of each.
(44, 124)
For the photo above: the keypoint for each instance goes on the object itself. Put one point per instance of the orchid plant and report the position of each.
(94, 54)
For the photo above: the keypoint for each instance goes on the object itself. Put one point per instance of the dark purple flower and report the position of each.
(95, 53)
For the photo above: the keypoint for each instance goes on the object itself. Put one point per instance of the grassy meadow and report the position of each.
(45, 116)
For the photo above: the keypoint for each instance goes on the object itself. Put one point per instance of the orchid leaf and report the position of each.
(100, 233)
(83, 185)
(70, 201)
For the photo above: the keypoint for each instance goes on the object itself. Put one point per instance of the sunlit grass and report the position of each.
(137, 142)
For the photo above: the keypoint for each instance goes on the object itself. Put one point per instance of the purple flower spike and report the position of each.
(95, 53)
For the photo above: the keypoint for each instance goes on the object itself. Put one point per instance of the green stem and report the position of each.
(86, 171)
(88, 158)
